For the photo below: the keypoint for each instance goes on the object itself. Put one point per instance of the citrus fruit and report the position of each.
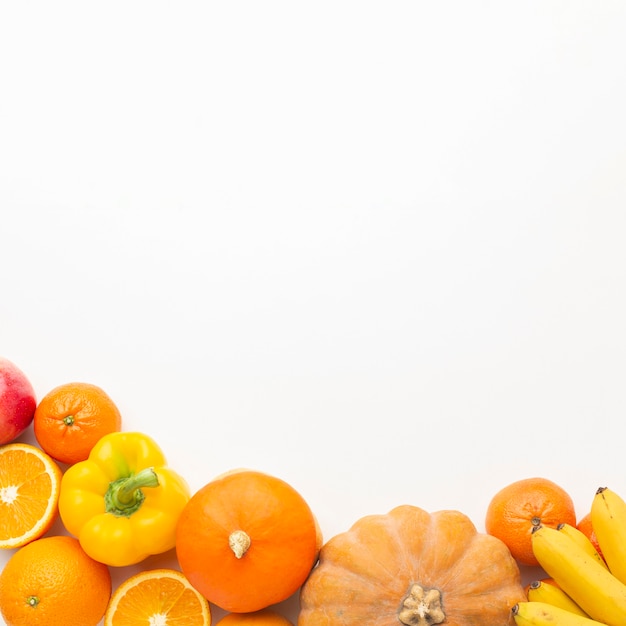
(584, 525)
(70, 419)
(517, 508)
(52, 582)
(158, 597)
(264, 617)
(29, 492)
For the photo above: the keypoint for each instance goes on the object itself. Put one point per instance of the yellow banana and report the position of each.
(583, 541)
(544, 614)
(584, 580)
(544, 591)
(608, 518)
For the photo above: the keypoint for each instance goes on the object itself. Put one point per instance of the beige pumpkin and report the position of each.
(412, 568)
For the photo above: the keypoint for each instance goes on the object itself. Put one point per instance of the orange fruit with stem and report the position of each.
(52, 582)
(71, 418)
(264, 617)
(159, 597)
(29, 492)
(516, 509)
(247, 540)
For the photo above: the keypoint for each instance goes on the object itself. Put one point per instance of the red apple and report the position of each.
(17, 401)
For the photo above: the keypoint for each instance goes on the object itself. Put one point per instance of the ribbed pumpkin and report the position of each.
(412, 568)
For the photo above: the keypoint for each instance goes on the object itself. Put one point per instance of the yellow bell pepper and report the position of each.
(123, 502)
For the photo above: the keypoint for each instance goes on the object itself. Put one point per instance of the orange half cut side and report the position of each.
(29, 493)
(159, 596)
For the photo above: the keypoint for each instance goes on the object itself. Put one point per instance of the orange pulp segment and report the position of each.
(29, 492)
(159, 597)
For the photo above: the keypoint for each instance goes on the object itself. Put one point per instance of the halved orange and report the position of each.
(157, 596)
(29, 493)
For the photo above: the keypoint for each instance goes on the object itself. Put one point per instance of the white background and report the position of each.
(373, 248)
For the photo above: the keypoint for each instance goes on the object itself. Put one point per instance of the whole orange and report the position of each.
(70, 419)
(517, 508)
(52, 582)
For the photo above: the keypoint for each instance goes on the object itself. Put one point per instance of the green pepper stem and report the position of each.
(124, 495)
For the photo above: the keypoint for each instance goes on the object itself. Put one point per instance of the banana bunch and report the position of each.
(549, 592)
(586, 588)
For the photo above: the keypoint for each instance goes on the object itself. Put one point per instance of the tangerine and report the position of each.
(516, 509)
(71, 418)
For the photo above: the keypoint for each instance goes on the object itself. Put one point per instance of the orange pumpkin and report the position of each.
(412, 568)
(247, 540)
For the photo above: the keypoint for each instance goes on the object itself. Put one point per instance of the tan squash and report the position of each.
(412, 568)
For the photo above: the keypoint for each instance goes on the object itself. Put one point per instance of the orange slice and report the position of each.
(159, 597)
(29, 493)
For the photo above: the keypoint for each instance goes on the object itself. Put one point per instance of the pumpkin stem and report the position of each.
(239, 542)
(422, 607)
